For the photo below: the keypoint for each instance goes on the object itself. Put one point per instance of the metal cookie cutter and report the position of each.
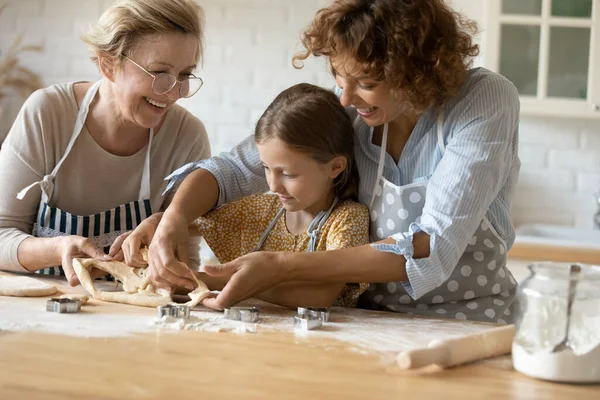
(307, 322)
(322, 313)
(174, 310)
(63, 305)
(244, 314)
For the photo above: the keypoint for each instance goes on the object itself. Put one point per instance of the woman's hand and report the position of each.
(168, 254)
(70, 247)
(116, 250)
(127, 246)
(249, 275)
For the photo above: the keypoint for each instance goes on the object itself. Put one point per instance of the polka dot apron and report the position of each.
(102, 228)
(480, 286)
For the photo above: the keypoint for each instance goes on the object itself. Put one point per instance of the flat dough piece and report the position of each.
(81, 297)
(137, 289)
(23, 286)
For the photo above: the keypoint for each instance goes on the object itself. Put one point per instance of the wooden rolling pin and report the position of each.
(447, 353)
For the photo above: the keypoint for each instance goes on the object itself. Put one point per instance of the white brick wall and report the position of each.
(249, 44)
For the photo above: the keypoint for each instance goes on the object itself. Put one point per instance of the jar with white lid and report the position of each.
(541, 318)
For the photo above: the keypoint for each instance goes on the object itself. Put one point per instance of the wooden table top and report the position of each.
(224, 365)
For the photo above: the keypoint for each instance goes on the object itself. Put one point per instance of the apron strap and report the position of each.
(47, 183)
(269, 229)
(440, 130)
(145, 186)
(441, 146)
(312, 231)
(381, 163)
(319, 221)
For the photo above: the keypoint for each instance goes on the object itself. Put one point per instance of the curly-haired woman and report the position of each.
(437, 156)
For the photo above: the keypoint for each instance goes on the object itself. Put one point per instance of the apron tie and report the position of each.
(46, 184)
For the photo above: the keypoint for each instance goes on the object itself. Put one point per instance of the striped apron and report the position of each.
(102, 228)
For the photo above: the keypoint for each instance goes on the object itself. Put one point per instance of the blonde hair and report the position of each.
(122, 25)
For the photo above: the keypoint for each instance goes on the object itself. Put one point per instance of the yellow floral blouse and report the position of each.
(236, 228)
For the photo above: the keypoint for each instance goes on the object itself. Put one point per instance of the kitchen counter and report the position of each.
(88, 363)
(518, 267)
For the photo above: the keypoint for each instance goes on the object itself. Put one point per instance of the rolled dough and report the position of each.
(23, 286)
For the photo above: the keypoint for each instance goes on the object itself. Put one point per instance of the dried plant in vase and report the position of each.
(14, 76)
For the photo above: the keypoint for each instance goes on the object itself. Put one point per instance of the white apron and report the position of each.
(102, 228)
(480, 286)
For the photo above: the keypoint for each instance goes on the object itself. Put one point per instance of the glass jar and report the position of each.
(541, 319)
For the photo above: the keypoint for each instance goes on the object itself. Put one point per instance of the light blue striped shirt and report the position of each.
(475, 177)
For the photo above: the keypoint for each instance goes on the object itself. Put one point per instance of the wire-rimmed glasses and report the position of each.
(163, 83)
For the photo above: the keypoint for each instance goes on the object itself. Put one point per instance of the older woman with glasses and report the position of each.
(85, 162)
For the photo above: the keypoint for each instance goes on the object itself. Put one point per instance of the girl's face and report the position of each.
(300, 182)
(373, 100)
(175, 54)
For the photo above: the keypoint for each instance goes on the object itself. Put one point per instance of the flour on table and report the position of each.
(362, 331)
(211, 324)
(24, 286)
(365, 331)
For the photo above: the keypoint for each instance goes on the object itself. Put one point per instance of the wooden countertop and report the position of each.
(224, 365)
(537, 252)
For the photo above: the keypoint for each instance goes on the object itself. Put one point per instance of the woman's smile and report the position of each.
(366, 112)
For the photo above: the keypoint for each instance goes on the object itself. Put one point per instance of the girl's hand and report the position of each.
(168, 254)
(70, 247)
(249, 275)
(127, 246)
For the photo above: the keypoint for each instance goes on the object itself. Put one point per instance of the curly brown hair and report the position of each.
(421, 48)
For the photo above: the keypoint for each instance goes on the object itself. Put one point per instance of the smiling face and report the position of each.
(300, 182)
(135, 101)
(374, 100)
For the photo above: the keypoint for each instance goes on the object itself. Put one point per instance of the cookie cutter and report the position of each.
(63, 305)
(244, 314)
(173, 310)
(307, 322)
(322, 313)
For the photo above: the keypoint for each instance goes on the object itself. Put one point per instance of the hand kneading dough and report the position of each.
(137, 289)
(22, 286)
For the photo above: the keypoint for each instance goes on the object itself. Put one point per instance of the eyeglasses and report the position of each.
(163, 83)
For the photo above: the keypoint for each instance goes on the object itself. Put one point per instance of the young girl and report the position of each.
(305, 142)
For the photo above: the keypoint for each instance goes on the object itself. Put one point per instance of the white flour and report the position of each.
(364, 331)
(19, 316)
(564, 366)
(542, 327)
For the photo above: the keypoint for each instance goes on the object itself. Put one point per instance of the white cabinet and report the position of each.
(550, 50)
